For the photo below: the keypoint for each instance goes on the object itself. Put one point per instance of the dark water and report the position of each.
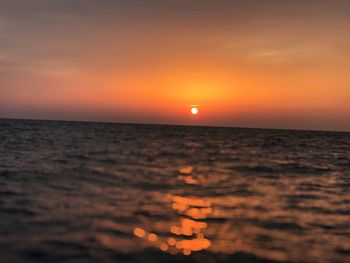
(88, 192)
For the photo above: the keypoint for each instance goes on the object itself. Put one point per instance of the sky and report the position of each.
(246, 63)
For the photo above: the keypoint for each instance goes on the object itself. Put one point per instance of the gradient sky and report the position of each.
(251, 63)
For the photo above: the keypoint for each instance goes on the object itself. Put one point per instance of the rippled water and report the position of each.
(92, 192)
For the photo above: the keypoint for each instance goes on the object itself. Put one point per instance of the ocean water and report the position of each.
(102, 192)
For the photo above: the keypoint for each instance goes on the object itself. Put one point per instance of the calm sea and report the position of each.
(102, 192)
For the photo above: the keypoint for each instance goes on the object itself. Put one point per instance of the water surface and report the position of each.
(88, 192)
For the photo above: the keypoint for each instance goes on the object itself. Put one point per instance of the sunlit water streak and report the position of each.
(127, 193)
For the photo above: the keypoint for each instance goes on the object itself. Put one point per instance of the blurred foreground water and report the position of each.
(99, 192)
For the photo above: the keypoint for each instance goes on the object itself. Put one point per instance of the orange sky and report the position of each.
(277, 64)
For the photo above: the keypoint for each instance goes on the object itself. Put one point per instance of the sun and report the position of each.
(194, 110)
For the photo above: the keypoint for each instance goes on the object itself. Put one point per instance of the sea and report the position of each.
(109, 192)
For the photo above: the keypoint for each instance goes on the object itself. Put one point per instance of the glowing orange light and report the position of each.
(187, 252)
(152, 237)
(190, 180)
(139, 232)
(171, 241)
(187, 169)
(194, 110)
(164, 247)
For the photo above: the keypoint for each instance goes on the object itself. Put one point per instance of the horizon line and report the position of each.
(173, 124)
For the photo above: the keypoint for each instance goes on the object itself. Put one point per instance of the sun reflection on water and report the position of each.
(189, 235)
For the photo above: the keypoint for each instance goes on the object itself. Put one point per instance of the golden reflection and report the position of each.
(189, 235)
(152, 237)
(186, 170)
(196, 244)
(189, 180)
(171, 241)
(185, 175)
(164, 247)
(139, 232)
(186, 202)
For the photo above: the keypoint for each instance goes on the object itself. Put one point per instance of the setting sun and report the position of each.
(194, 110)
